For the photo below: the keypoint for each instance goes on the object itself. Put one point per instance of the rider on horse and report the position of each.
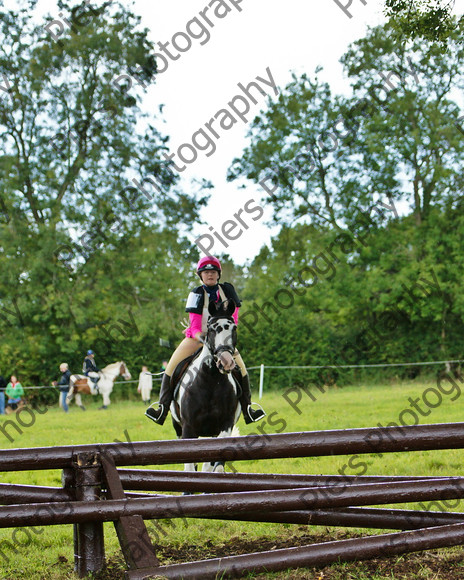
(90, 369)
(209, 271)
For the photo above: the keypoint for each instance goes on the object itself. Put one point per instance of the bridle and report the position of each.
(126, 374)
(221, 348)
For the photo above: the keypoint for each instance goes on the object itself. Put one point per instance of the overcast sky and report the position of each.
(297, 35)
(255, 37)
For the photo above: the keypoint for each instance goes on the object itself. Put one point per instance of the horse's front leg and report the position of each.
(211, 467)
(188, 433)
(219, 466)
(106, 399)
(190, 466)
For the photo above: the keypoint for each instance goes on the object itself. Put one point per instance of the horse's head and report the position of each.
(221, 336)
(124, 371)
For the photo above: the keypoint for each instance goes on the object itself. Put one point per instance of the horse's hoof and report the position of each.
(102, 407)
(82, 407)
(187, 493)
(218, 467)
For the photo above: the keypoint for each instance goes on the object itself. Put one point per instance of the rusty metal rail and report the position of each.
(13, 494)
(88, 499)
(283, 445)
(227, 503)
(316, 555)
(196, 481)
(375, 518)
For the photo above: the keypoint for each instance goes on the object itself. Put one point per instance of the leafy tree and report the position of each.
(397, 141)
(409, 140)
(91, 216)
(293, 153)
(328, 159)
(354, 302)
(428, 19)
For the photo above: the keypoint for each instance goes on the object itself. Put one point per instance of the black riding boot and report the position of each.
(166, 394)
(250, 415)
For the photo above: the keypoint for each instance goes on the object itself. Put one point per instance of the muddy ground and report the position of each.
(445, 564)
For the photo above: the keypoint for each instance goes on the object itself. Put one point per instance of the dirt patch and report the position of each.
(445, 564)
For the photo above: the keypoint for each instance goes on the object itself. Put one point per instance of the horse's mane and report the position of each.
(111, 366)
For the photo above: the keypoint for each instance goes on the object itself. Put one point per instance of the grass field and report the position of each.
(47, 553)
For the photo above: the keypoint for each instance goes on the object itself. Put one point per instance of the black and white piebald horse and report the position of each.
(206, 402)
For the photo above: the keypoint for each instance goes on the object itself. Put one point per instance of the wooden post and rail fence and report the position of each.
(95, 490)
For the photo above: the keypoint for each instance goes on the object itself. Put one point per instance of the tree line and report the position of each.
(366, 190)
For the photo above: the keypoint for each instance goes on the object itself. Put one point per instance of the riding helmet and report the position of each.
(209, 263)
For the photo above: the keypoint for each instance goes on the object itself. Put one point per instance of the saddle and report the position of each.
(182, 367)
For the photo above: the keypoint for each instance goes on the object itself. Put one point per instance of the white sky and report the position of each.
(297, 35)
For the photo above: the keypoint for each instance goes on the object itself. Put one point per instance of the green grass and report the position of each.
(49, 554)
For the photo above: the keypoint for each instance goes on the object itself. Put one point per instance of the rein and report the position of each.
(224, 348)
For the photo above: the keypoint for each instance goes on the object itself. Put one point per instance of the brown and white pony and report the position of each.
(80, 384)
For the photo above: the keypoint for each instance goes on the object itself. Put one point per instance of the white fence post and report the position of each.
(261, 381)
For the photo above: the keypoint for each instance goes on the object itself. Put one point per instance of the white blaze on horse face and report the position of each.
(223, 334)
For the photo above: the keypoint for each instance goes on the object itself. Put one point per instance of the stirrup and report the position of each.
(156, 415)
(254, 415)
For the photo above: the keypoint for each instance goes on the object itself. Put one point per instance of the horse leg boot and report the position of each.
(250, 415)
(166, 395)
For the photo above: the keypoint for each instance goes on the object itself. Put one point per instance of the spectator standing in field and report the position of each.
(145, 384)
(2, 395)
(14, 392)
(63, 385)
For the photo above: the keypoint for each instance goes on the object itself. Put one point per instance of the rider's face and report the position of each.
(209, 277)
